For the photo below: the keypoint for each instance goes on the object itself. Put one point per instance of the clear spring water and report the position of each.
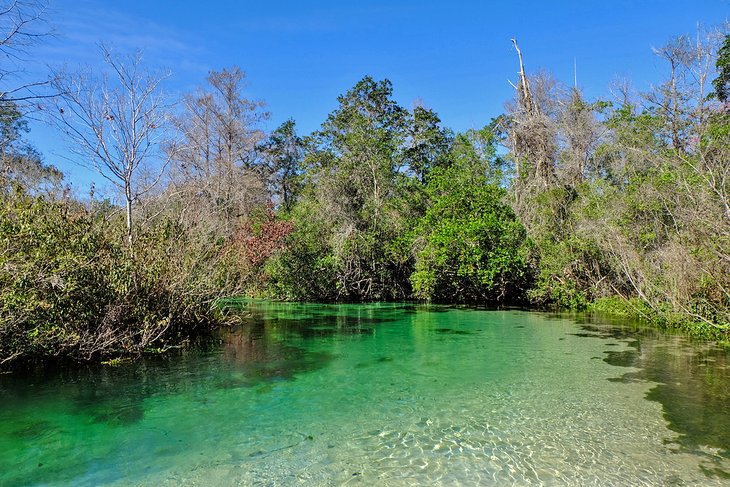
(382, 395)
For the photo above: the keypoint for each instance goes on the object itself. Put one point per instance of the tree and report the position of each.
(20, 162)
(22, 24)
(579, 133)
(530, 128)
(284, 152)
(722, 82)
(681, 101)
(115, 123)
(428, 143)
(216, 161)
(671, 99)
(470, 247)
(349, 239)
(360, 144)
(355, 169)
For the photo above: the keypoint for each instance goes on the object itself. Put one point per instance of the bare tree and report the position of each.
(216, 156)
(22, 24)
(670, 98)
(115, 123)
(579, 135)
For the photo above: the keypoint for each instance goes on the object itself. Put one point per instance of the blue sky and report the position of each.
(455, 57)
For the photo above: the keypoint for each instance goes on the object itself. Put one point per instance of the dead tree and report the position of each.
(525, 95)
(532, 134)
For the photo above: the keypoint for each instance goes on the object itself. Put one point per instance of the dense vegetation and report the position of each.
(620, 204)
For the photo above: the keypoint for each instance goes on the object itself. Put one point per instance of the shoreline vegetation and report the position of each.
(616, 205)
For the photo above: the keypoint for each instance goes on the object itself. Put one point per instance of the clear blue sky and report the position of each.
(454, 56)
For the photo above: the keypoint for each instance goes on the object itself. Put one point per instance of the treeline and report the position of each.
(619, 204)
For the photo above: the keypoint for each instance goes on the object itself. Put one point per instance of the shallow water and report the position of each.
(382, 395)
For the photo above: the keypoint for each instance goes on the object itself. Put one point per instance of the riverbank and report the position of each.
(667, 320)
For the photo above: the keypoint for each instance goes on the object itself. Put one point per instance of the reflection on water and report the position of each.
(373, 394)
(692, 383)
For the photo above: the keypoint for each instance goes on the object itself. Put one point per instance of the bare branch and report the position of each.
(115, 122)
(22, 24)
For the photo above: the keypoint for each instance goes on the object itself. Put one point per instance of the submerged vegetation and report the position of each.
(618, 204)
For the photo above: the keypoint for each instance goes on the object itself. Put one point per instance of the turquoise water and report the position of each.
(382, 395)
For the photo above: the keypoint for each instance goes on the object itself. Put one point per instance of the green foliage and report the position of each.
(49, 275)
(665, 318)
(116, 362)
(646, 234)
(69, 286)
(355, 204)
(722, 82)
(305, 270)
(20, 162)
(562, 274)
(470, 246)
(284, 153)
(428, 143)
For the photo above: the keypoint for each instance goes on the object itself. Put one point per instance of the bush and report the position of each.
(470, 245)
(70, 287)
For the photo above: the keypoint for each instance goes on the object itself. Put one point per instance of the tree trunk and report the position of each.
(526, 100)
(128, 194)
